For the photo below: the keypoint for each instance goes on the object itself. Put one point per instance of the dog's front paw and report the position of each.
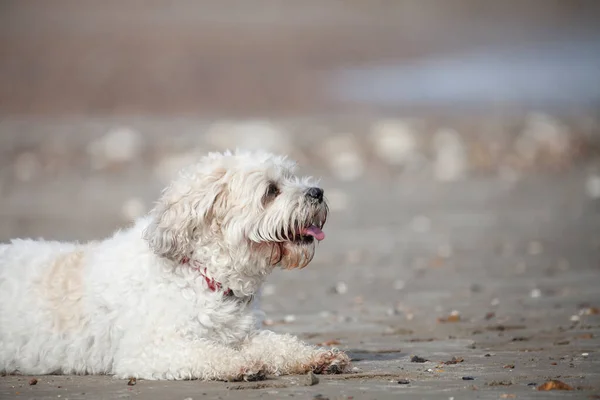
(256, 371)
(330, 362)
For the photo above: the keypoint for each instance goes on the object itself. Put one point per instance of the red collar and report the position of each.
(213, 285)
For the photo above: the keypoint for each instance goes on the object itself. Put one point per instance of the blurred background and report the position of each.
(439, 118)
(457, 142)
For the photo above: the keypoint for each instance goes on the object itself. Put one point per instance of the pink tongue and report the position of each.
(314, 231)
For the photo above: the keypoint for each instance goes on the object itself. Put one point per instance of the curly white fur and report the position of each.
(138, 304)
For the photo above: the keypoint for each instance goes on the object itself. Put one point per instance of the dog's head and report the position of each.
(249, 207)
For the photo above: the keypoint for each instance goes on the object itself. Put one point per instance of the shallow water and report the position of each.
(543, 74)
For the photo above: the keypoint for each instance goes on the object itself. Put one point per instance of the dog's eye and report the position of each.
(272, 190)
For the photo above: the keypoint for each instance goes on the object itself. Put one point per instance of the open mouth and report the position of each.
(309, 234)
(305, 235)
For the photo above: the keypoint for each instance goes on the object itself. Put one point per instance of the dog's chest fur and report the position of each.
(160, 298)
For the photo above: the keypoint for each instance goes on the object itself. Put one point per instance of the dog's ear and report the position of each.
(183, 212)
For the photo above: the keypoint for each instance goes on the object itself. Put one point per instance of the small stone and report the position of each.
(188, 398)
(33, 381)
(468, 378)
(403, 382)
(394, 141)
(311, 379)
(289, 318)
(535, 293)
(417, 359)
(585, 354)
(575, 318)
(451, 159)
(356, 370)
(391, 312)
(476, 288)
(495, 302)
(256, 134)
(341, 288)
(132, 382)
(554, 385)
(118, 145)
(429, 370)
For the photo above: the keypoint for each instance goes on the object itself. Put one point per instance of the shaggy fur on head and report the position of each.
(172, 296)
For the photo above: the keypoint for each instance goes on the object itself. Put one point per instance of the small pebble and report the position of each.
(391, 312)
(575, 318)
(429, 370)
(451, 158)
(311, 379)
(403, 382)
(476, 288)
(289, 318)
(535, 293)
(356, 370)
(495, 302)
(341, 288)
(394, 141)
(585, 354)
(468, 378)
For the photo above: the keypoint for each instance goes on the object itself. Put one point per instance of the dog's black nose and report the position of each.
(315, 193)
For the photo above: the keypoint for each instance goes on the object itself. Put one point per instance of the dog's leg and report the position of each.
(185, 360)
(286, 354)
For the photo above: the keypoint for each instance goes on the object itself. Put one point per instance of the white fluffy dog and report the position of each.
(171, 297)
